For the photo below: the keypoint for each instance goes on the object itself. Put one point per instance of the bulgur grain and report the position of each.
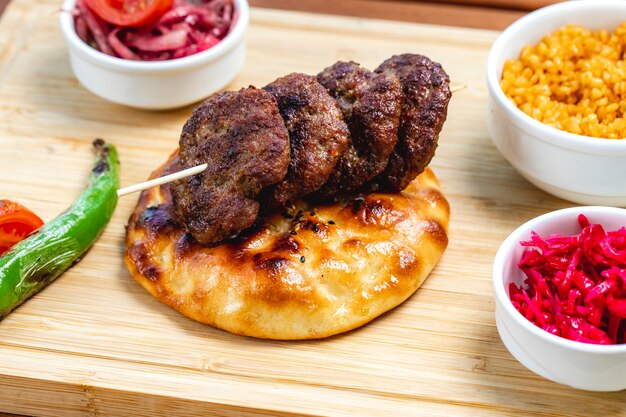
(574, 80)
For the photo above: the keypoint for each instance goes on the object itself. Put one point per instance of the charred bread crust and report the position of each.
(311, 273)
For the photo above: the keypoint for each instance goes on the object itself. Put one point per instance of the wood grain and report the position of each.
(95, 343)
(503, 4)
(406, 11)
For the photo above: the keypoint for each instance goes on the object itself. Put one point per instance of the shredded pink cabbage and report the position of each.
(575, 286)
(188, 28)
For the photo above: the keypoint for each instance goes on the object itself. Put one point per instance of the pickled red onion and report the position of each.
(575, 286)
(188, 28)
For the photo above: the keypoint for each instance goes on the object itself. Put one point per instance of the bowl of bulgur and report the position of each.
(557, 108)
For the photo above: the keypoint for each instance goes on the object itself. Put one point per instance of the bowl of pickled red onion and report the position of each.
(155, 54)
(560, 290)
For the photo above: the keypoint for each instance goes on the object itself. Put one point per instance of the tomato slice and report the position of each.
(165, 6)
(129, 13)
(16, 222)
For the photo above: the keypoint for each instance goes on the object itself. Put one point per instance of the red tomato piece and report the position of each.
(129, 13)
(16, 222)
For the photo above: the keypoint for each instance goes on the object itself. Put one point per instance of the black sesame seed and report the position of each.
(331, 222)
(293, 232)
(302, 259)
(312, 213)
(316, 228)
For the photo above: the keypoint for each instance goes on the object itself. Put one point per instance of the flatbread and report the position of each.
(326, 270)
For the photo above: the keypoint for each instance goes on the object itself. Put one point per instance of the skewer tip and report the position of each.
(457, 87)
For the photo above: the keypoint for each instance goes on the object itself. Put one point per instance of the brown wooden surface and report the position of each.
(96, 343)
(486, 14)
(483, 14)
(503, 4)
(407, 11)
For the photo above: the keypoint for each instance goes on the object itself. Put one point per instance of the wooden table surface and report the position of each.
(480, 14)
(483, 14)
(487, 14)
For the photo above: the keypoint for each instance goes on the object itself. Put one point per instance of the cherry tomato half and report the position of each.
(16, 222)
(129, 13)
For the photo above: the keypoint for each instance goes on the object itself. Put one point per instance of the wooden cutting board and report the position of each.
(95, 343)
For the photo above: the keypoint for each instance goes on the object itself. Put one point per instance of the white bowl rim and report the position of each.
(544, 132)
(222, 47)
(502, 299)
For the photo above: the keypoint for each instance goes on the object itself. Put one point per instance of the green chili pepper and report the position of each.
(36, 261)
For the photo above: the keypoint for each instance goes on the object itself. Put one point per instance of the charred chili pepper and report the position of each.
(36, 261)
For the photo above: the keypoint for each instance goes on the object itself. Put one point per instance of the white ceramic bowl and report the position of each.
(577, 168)
(157, 85)
(580, 365)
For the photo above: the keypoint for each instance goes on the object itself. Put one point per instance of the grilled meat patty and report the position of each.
(348, 129)
(426, 95)
(244, 141)
(317, 132)
(371, 105)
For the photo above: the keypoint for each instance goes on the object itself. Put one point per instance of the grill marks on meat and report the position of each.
(317, 132)
(426, 95)
(371, 105)
(242, 138)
